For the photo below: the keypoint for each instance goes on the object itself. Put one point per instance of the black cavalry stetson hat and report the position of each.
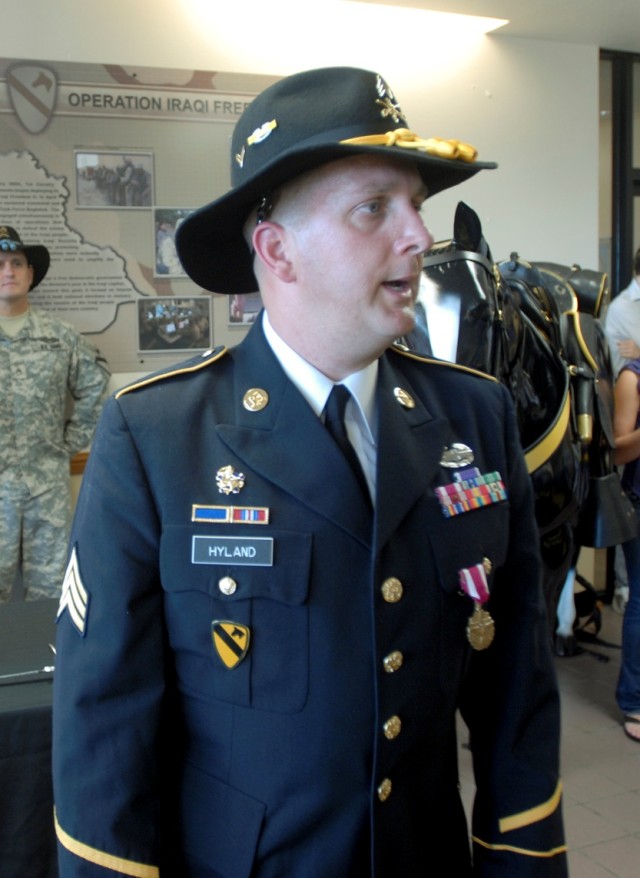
(37, 255)
(295, 125)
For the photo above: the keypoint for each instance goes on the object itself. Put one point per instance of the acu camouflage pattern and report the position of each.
(34, 533)
(53, 386)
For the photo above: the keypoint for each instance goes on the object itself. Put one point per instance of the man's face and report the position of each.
(16, 277)
(356, 240)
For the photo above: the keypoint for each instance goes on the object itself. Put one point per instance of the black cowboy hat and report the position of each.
(295, 125)
(37, 255)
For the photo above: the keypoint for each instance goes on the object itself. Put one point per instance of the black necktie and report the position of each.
(334, 421)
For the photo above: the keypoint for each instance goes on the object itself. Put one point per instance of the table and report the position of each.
(27, 838)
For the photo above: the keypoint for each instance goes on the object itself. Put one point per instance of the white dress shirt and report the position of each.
(360, 415)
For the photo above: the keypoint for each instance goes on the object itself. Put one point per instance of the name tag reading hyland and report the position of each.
(251, 551)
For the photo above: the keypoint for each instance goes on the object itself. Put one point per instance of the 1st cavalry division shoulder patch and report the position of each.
(231, 641)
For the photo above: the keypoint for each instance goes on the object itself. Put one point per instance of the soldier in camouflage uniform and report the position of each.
(53, 386)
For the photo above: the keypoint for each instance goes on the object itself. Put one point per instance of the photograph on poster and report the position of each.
(176, 324)
(62, 183)
(244, 308)
(165, 224)
(114, 179)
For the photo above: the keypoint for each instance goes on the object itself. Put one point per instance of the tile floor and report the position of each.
(600, 766)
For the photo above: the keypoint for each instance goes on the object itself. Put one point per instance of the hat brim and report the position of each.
(39, 259)
(210, 241)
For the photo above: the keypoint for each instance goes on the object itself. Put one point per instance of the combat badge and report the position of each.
(231, 641)
(458, 455)
(480, 627)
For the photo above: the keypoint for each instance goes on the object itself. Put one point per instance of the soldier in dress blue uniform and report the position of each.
(263, 647)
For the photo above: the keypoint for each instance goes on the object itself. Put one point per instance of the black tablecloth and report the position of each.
(27, 839)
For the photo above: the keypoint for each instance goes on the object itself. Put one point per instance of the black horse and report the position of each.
(536, 328)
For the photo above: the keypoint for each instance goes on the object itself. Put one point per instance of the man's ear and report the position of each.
(270, 242)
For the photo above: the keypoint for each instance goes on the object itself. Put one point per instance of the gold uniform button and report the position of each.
(384, 790)
(393, 662)
(227, 585)
(392, 590)
(392, 727)
(488, 566)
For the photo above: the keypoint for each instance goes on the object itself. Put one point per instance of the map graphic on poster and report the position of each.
(85, 283)
(99, 163)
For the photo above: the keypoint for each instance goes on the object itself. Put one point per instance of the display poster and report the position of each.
(101, 163)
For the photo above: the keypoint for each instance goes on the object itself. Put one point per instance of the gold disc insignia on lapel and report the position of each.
(255, 399)
(405, 399)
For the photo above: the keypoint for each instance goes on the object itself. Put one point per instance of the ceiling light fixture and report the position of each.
(445, 21)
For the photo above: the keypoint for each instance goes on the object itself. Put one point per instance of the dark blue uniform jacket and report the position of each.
(237, 697)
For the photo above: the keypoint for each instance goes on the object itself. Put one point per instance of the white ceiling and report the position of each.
(607, 24)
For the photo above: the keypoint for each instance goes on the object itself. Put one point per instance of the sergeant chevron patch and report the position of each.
(74, 597)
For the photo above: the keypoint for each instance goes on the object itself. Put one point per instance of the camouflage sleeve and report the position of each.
(87, 384)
